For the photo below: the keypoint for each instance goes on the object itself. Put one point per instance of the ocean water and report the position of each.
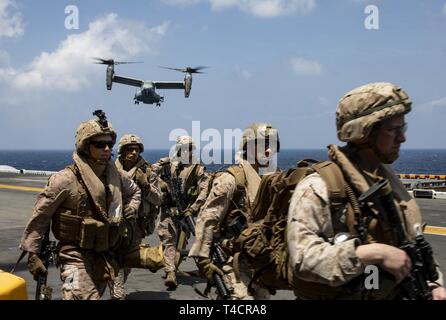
(410, 161)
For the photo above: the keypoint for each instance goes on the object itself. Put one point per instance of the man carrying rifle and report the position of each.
(227, 210)
(88, 205)
(355, 212)
(139, 170)
(185, 187)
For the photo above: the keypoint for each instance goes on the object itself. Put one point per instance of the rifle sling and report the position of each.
(22, 255)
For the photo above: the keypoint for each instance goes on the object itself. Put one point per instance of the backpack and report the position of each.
(263, 242)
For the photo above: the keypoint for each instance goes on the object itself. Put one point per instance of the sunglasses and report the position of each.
(100, 144)
(131, 149)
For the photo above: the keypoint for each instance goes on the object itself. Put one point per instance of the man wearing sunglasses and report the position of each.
(333, 236)
(86, 204)
(142, 224)
(183, 167)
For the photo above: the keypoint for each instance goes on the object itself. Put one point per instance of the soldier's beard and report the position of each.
(99, 162)
(386, 158)
(97, 165)
(130, 160)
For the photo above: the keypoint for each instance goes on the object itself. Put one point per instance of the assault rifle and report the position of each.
(179, 199)
(414, 286)
(48, 256)
(219, 258)
(186, 224)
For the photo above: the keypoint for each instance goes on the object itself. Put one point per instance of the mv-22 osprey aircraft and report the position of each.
(146, 92)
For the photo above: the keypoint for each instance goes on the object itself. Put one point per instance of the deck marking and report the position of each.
(7, 186)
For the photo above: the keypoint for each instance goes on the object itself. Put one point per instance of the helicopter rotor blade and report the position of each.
(127, 62)
(104, 61)
(113, 62)
(176, 69)
(187, 69)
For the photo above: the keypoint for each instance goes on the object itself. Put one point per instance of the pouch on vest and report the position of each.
(254, 242)
(88, 233)
(66, 227)
(263, 242)
(102, 236)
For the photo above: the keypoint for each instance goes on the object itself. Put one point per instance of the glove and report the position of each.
(188, 212)
(207, 269)
(164, 186)
(35, 265)
(141, 178)
(130, 213)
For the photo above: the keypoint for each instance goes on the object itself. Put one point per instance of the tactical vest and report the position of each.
(238, 208)
(77, 221)
(190, 183)
(347, 217)
(263, 242)
(145, 208)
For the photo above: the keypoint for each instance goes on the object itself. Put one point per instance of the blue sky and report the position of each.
(282, 61)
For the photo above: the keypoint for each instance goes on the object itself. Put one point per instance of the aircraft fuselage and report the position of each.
(147, 94)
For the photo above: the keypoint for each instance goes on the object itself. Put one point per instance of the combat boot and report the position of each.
(171, 280)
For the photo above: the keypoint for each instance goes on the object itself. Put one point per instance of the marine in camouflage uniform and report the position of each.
(87, 204)
(232, 195)
(195, 181)
(370, 119)
(139, 170)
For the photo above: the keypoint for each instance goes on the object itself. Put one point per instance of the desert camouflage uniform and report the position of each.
(80, 274)
(321, 269)
(217, 204)
(167, 228)
(147, 215)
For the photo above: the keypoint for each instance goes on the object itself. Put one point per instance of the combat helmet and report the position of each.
(363, 107)
(260, 131)
(130, 139)
(183, 142)
(91, 128)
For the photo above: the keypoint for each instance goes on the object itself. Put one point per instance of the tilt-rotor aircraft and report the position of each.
(147, 88)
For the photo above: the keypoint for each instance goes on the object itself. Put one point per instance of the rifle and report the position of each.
(414, 286)
(47, 255)
(186, 224)
(179, 199)
(219, 258)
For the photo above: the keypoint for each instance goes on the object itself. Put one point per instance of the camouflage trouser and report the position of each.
(239, 287)
(77, 274)
(117, 286)
(168, 234)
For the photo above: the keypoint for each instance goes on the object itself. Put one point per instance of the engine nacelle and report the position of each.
(109, 76)
(187, 84)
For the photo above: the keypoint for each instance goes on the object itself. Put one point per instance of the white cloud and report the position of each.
(444, 9)
(266, 8)
(439, 103)
(181, 2)
(69, 67)
(259, 8)
(306, 67)
(243, 72)
(11, 24)
(4, 58)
